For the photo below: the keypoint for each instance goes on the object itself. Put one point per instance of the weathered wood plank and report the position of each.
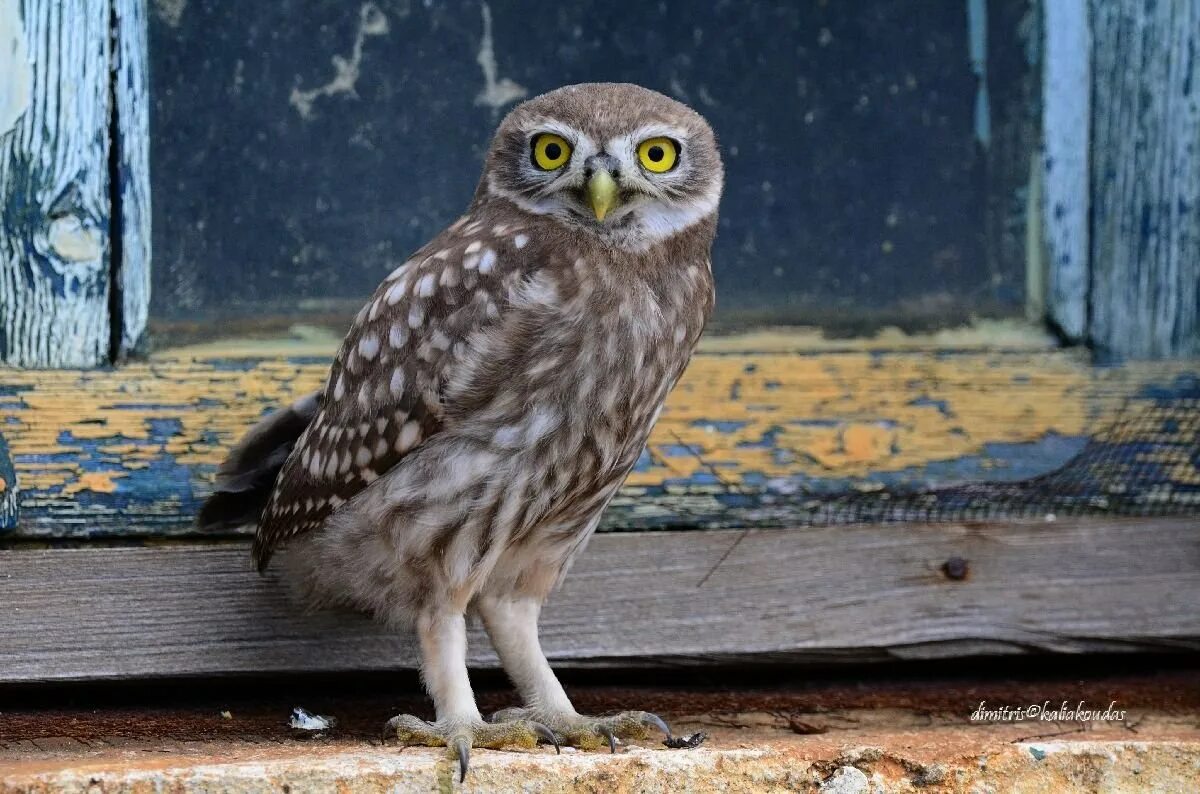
(54, 183)
(131, 199)
(1065, 178)
(839, 594)
(1146, 178)
(8, 488)
(132, 452)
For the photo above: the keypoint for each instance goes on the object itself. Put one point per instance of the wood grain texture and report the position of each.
(54, 190)
(1146, 178)
(9, 505)
(131, 199)
(853, 593)
(132, 452)
(1065, 178)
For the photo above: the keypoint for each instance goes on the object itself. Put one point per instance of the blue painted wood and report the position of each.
(8, 489)
(301, 147)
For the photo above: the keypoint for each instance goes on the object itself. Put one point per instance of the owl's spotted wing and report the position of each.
(382, 398)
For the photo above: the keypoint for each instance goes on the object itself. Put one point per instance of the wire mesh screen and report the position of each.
(1145, 461)
(1141, 458)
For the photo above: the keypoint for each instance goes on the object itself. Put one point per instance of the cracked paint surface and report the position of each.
(371, 22)
(133, 452)
(497, 92)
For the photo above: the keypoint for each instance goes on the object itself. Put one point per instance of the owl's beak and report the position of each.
(601, 192)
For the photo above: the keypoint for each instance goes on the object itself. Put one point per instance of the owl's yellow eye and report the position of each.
(658, 155)
(550, 151)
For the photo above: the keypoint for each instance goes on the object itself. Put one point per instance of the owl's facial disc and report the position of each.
(617, 161)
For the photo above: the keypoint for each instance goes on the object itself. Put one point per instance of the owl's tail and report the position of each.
(246, 478)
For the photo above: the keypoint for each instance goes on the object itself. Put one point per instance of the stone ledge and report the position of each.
(752, 760)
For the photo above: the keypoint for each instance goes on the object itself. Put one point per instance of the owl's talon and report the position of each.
(588, 733)
(547, 735)
(459, 736)
(655, 721)
(607, 733)
(462, 746)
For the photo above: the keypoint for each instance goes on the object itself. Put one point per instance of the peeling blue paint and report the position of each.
(1184, 387)
(720, 425)
(942, 406)
(768, 440)
(8, 496)
(678, 451)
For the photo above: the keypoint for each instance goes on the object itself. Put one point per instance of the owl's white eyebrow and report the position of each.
(558, 128)
(648, 131)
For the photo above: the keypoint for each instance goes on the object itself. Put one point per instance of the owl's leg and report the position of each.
(459, 726)
(512, 625)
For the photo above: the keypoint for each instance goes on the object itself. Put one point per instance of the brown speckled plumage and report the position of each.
(498, 386)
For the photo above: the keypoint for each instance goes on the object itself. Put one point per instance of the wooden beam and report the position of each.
(1146, 178)
(1065, 178)
(744, 437)
(853, 593)
(131, 174)
(54, 184)
(8, 488)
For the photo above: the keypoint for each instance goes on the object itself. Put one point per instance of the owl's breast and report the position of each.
(609, 350)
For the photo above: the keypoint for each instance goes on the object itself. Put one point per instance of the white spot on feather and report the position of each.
(409, 435)
(368, 346)
(425, 285)
(397, 384)
(520, 240)
(487, 261)
(397, 335)
(396, 292)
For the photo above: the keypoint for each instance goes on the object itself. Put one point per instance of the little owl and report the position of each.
(490, 398)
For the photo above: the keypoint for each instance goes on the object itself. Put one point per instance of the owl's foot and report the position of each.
(460, 736)
(588, 733)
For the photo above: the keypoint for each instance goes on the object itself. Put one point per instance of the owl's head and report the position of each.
(617, 160)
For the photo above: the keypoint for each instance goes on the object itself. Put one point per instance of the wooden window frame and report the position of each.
(123, 456)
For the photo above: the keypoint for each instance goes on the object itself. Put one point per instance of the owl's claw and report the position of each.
(460, 736)
(463, 747)
(589, 733)
(607, 733)
(547, 735)
(655, 721)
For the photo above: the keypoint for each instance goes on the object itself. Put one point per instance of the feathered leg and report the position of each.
(512, 625)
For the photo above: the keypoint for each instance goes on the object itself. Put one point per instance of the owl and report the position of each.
(490, 398)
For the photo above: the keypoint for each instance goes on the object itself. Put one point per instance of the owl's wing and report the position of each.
(382, 398)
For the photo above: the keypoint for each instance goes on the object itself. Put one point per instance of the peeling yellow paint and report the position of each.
(98, 481)
(830, 415)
